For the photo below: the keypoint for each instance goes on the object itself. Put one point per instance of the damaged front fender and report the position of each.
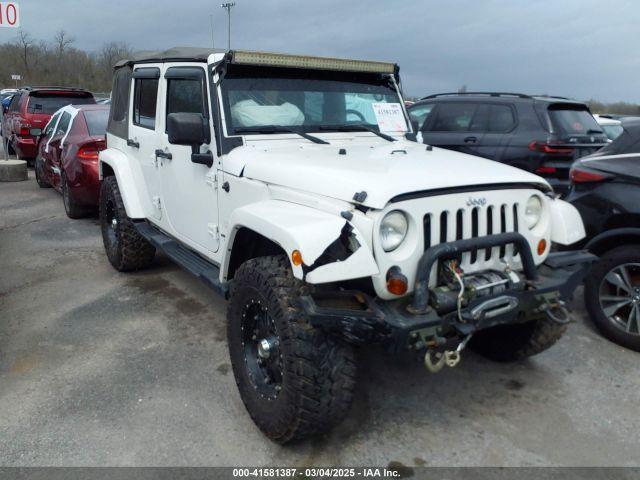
(332, 248)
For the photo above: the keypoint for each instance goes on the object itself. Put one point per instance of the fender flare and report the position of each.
(602, 238)
(130, 182)
(332, 248)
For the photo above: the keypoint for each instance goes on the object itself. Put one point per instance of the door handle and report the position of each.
(163, 154)
(133, 144)
(470, 140)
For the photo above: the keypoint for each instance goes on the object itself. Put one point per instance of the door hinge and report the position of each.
(157, 203)
(212, 180)
(213, 230)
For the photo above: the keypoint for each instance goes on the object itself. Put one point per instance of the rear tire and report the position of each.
(507, 343)
(39, 170)
(71, 206)
(304, 385)
(126, 249)
(615, 329)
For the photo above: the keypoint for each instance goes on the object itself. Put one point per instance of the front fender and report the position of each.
(332, 248)
(566, 223)
(130, 182)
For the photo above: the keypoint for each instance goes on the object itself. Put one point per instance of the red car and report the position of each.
(31, 108)
(67, 157)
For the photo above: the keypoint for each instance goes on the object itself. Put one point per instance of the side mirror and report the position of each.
(35, 132)
(187, 129)
(190, 129)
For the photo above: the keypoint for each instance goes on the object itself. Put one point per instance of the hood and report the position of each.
(382, 170)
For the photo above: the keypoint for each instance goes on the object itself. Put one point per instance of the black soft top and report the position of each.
(176, 54)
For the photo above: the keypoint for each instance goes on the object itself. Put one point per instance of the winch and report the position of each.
(456, 289)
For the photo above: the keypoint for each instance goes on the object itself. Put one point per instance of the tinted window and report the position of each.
(573, 120)
(96, 122)
(63, 124)
(612, 131)
(419, 113)
(185, 96)
(144, 102)
(121, 94)
(454, 117)
(52, 103)
(501, 118)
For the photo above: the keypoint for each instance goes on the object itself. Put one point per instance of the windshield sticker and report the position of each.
(390, 117)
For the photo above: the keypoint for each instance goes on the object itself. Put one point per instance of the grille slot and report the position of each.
(464, 223)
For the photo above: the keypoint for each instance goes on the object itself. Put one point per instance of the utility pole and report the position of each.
(228, 6)
(213, 41)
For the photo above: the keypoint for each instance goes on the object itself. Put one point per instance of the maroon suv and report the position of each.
(31, 108)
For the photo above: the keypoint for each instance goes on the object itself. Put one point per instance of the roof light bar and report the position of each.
(299, 61)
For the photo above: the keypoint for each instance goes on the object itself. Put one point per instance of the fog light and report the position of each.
(296, 258)
(396, 282)
(542, 246)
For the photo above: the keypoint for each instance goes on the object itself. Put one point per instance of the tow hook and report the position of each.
(556, 312)
(434, 360)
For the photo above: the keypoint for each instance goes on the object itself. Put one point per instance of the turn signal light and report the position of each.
(396, 282)
(296, 258)
(542, 246)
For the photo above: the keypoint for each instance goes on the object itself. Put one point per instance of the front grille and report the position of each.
(464, 223)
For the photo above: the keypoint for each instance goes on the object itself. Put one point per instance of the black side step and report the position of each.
(190, 261)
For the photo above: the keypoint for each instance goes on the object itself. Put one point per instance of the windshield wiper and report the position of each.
(358, 127)
(280, 129)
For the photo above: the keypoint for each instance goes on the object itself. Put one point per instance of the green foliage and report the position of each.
(58, 62)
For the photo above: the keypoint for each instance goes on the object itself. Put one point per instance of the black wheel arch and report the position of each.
(611, 239)
(247, 244)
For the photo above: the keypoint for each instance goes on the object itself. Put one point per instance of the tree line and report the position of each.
(59, 62)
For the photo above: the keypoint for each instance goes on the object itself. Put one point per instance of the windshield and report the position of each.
(612, 131)
(96, 121)
(309, 101)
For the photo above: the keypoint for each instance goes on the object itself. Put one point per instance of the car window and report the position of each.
(63, 124)
(419, 113)
(501, 118)
(97, 121)
(185, 96)
(52, 103)
(144, 102)
(612, 131)
(51, 125)
(454, 117)
(573, 120)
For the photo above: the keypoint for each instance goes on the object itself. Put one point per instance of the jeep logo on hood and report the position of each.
(476, 202)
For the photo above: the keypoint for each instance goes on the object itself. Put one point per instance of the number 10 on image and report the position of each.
(9, 15)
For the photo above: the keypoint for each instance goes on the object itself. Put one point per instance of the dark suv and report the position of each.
(539, 134)
(32, 107)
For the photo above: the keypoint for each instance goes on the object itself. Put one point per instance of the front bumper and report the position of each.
(361, 319)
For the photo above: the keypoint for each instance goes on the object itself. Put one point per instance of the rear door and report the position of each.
(54, 148)
(499, 124)
(144, 130)
(43, 150)
(457, 126)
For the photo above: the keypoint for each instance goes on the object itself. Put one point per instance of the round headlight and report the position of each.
(393, 229)
(533, 211)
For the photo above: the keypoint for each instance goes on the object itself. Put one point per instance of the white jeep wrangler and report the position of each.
(291, 185)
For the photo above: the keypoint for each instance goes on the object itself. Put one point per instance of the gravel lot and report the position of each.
(102, 368)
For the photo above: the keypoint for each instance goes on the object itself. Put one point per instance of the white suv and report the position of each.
(292, 186)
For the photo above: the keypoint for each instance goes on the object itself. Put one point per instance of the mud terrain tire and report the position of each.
(316, 372)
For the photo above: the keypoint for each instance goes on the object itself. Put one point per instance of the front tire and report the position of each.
(294, 380)
(612, 296)
(126, 249)
(508, 343)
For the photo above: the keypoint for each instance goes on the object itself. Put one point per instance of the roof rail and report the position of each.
(56, 87)
(488, 94)
(552, 96)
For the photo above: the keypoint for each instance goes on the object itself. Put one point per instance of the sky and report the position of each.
(581, 49)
